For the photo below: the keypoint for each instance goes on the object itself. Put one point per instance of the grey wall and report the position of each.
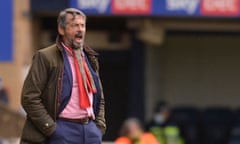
(200, 69)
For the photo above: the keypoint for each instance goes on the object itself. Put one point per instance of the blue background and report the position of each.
(6, 26)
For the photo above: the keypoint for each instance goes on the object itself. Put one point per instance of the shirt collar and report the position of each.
(69, 50)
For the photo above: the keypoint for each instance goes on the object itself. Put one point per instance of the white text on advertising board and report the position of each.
(220, 5)
(99, 5)
(190, 6)
(131, 4)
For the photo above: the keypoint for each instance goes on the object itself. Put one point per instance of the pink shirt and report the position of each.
(73, 110)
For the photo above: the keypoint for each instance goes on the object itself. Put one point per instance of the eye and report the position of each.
(74, 25)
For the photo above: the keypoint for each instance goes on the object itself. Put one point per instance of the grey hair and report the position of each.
(62, 22)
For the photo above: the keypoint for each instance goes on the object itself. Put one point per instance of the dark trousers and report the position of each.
(75, 133)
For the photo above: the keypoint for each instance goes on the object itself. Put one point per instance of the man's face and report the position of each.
(74, 32)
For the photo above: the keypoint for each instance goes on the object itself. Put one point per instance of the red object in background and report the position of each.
(131, 6)
(220, 7)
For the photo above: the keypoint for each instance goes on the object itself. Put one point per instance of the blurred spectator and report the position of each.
(132, 132)
(3, 94)
(163, 127)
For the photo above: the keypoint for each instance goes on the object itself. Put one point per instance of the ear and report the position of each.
(60, 30)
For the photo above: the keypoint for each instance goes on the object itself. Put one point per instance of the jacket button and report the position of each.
(46, 125)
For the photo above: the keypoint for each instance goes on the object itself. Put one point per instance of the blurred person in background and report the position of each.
(4, 98)
(163, 127)
(132, 132)
(62, 93)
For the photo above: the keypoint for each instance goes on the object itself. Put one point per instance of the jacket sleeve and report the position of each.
(100, 118)
(31, 97)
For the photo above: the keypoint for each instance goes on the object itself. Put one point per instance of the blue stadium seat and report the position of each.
(235, 130)
(216, 125)
(234, 141)
(188, 118)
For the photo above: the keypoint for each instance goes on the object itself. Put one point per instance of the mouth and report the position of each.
(79, 36)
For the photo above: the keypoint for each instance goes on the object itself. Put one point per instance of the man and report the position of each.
(62, 93)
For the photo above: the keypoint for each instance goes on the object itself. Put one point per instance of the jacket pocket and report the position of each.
(31, 133)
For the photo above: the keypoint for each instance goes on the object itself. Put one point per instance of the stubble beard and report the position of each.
(75, 46)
